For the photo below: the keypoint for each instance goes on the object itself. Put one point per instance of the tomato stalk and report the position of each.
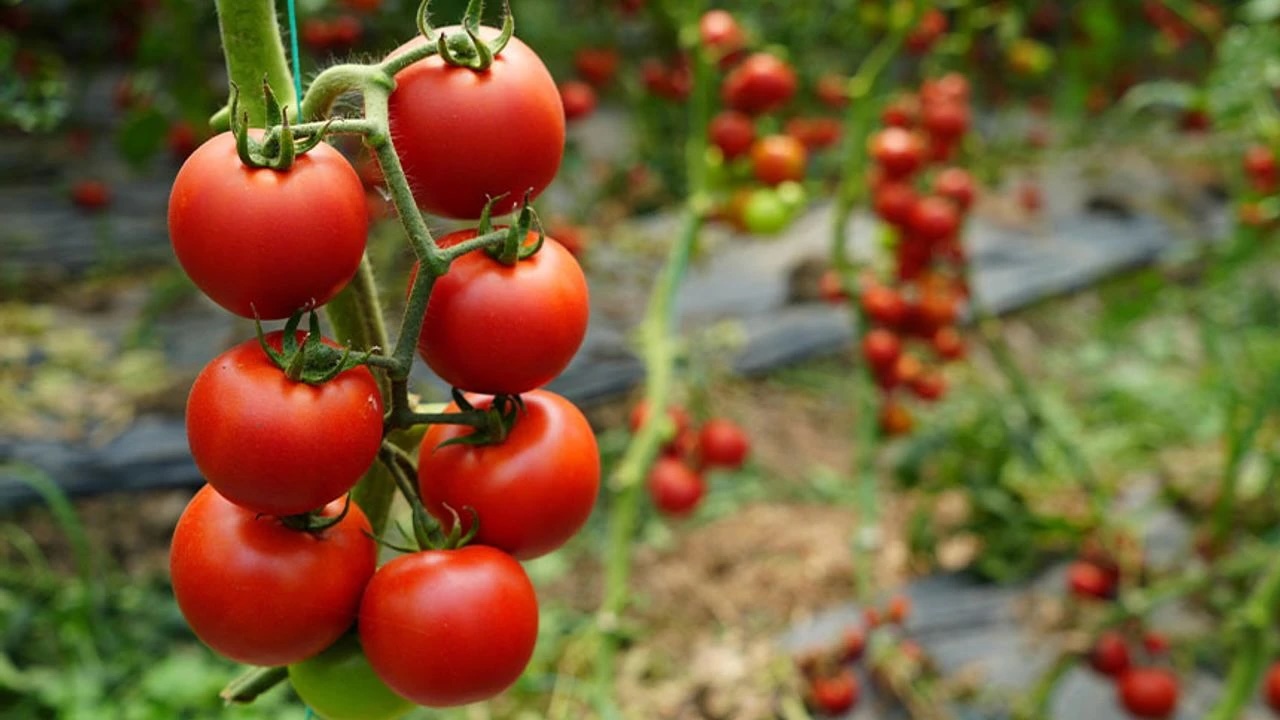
(247, 687)
(1253, 647)
(657, 338)
(253, 49)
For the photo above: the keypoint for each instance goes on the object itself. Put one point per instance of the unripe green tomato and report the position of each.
(339, 684)
(793, 195)
(765, 212)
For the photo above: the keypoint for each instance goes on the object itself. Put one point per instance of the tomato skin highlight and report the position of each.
(532, 492)
(339, 684)
(261, 593)
(264, 241)
(505, 329)
(465, 136)
(275, 446)
(449, 627)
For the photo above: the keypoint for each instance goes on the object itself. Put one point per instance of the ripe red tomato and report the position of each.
(762, 83)
(345, 32)
(317, 34)
(1149, 692)
(532, 491)
(836, 694)
(952, 87)
(339, 684)
(504, 329)
(723, 443)
(1259, 161)
(671, 81)
(897, 151)
(578, 99)
(902, 112)
(948, 343)
(90, 195)
(895, 419)
(931, 25)
(264, 241)
(884, 305)
(956, 185)
(904, 371)
(776, 159)
(596, 65)
(899, 609)
(449, 627)
(721, 33)
(1110, 654)
(815, 133)
(261, 593)
(1155, 643)
(1271, 687)
(732, 132)
(934, 218)
(275, 446)
(831, 287)
(929, 385)
(571, 236)
(833, 91)
(881, 348)
(853, 644)
(945, 121)
(676, 489)
(465, 136)
(893, 201)
(1088, 580)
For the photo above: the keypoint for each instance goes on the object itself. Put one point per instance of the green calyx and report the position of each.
(277, 146)
(316, 522)
(466, 49)
(311, 362)
(514, 248)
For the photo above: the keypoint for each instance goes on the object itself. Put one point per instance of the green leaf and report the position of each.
(1261, 11)
(1248, 67)
(1159, 92)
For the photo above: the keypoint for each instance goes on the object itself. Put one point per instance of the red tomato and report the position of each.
(898, 152)
(672, 81)
(881, 348)
(1149, 692)
(578, 99)
(945, 121)
(723, 443)
(1089, 581)
(893, 201)
(952, 87)
(532, 491)
(317, 34)
(1271, 687)
(902, 112)
(677, 416)
(264, 241)
(884, 305)
(721, 33)
(762, 83)
(833, 91)
(853, 644)
(1156, 644)
(261, 593)
(834, 695)
(956, 185)
(899, 609)
(929, 386)
(776, 159)
(275, 446)
(930, 27)
(596, 65)
(831, 287)
(449, 627)
(573, 238)
(676, 488)
(895, 419)
(948, 343)
(934, 218)
(465, 136)
(90, 195)
(504, 329)
(815, 133)
(1110, 654)
(345, 32)
(904, 371)
(732, 132)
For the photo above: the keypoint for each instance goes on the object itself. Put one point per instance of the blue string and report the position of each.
(297, 66)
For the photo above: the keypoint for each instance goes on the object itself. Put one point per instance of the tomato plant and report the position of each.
(531, 491)
(339, 684)
(256, 240)
(449, 627)
(495, 328)
(260, 592)
(467, 136)
(278, 446)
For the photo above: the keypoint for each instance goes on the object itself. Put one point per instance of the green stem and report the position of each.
(336, 81)
(253, 49)
(247, 687)
(1253, 647)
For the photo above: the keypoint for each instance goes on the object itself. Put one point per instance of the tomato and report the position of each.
(363, 6)
(1195, 120)
(881, 348)
(722, 443)
(317, 34)
(778, 158)
(946, 121)
(1090, 581)
(676, 488)
(1156, 644)
(815, 133)
(345, 32)
(853, 643)
(672, 81)
(264, 594)
(339, 684)
(956, 185)
(895, 419)
(931, 25)
(1260, 166)
(578, 99)
(765, 212)
(449, 627)
(948, 343)
(762, 83)
(1110, 654)
(721, 33)
(934, 218)
(834, 695)
(929, 385)
(275, 446)
(831, 287)
(1149, 692)
(899, 609)
(832, 91)
(596, 65)
(572, 237)
(264, 241)
(732, 132)
(893, 201)
(883, 305)
(505, 329)
(465, 136)
(904, 371)
(532, 491)
(902, 112)
(951, 87)
(897, 151)
(90, 195)
(1271, 687)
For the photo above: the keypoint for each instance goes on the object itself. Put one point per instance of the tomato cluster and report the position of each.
(271, 564)
(676, 481)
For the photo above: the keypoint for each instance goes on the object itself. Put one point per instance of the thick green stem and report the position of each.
(247, 687)
(1253, 646)
(254, 51)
